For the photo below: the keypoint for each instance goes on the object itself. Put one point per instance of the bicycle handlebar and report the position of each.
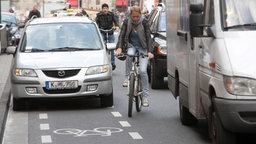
(108, 30)
(137, 54)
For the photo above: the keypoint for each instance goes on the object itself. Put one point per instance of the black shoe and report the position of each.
(113, 66)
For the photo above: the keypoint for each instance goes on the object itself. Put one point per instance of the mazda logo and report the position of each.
(61, 73)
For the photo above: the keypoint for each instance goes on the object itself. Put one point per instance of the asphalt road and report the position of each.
(83, 121)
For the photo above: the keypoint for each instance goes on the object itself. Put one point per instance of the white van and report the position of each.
(211, 54)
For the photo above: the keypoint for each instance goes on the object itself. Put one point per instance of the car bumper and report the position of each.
(237, 115)
(86, 87)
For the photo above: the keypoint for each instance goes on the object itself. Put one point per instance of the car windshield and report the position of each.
(61, 37)
(8, 19)
(239, 14)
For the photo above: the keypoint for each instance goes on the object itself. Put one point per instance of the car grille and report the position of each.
(56, 73)
(61, 91)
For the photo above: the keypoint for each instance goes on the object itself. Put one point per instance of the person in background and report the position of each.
(11, 10)
(84, 13)
(105, 20)
(34, 12)
(135, 36)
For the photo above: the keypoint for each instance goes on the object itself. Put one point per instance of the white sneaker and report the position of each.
(145, 102)
(125, 83)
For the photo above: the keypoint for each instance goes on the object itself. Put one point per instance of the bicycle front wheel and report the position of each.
(138, 98)
(131, 94)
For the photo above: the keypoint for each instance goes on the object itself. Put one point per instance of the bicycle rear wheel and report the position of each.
(131, 94)
(138, 98)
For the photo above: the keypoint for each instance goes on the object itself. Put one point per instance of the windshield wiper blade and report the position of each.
(66, 49)
(37, 50)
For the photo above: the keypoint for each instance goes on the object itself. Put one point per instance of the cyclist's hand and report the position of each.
(117, 29)
(150, 55)
(118, 51)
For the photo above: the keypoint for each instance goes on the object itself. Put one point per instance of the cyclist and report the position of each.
(105, 20)
(135, 36)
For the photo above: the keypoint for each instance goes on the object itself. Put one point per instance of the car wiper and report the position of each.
(241, 26)
(37, 50)
(66, 49)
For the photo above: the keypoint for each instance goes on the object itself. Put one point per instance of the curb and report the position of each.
(4, 106)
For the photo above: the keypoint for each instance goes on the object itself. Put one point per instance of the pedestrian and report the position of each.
(34, 12)
(135, 36)
(105, 20)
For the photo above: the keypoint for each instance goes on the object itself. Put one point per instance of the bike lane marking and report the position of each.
(44, 126)
(135, 135)
(46, 139)
(124, 124)
(116, 114)
(43, 116)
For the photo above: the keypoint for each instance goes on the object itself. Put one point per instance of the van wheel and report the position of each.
(18, 104)
(107, 100)
(186, 117)
(217, 132)
(156, 80)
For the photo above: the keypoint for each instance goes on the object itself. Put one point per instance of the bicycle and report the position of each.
(134, 84)
(106, 40)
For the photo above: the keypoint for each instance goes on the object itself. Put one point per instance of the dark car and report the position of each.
(13, 27)
(157, 69)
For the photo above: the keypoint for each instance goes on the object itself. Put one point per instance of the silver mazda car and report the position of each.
(61, 57)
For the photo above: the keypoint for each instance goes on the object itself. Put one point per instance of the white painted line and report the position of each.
(135, 135)
(44, 127)
(46, 139)
(124, 124)
(43, 116)
(116, 114)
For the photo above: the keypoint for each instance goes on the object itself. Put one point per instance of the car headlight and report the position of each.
(25, 72)
(97, 69)
(240, 85)
(161, 50)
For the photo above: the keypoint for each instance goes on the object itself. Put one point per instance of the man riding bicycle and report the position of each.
(105, 20)
(135, 36)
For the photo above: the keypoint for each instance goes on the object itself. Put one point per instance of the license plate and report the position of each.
(61, 84)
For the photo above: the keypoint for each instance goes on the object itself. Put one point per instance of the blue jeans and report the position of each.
(111, 39)
(142, 68)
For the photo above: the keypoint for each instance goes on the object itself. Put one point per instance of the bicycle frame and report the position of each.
(135, 71)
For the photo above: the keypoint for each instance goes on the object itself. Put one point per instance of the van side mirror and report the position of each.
(196, 20)
(11, 50)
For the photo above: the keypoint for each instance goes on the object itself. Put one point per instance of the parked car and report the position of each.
(13, 27)
(61, 57)
(157, 69)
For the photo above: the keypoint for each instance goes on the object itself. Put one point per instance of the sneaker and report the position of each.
(145, 102)
(125, 83)
(113, 66)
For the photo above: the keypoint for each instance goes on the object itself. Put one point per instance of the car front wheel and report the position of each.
(107, 100)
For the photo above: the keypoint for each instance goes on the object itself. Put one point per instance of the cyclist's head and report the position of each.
(135, 13)
(105, 8)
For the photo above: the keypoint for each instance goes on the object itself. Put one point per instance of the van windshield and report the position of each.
(239, 14)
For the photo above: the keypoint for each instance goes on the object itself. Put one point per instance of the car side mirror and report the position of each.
(111, 46)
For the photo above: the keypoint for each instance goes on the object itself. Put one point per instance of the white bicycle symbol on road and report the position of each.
(101, 131)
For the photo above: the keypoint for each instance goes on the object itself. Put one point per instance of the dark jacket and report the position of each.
(124, 39)
(33, 12)
(105, 21)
